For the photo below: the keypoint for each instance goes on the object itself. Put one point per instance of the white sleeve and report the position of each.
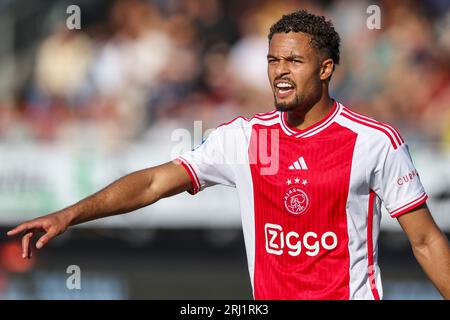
(209, 163)
(396, 181)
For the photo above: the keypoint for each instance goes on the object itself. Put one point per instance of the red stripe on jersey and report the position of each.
(391, 129)
(368, 124)
(227, 123)
(194, 179)
(265, 118)
(271, 117)
(409, 206)
(267, 114)
(371, 268)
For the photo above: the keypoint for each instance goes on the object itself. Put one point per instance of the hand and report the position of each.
(53, 225)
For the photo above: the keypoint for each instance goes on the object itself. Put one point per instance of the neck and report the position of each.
(302, 118)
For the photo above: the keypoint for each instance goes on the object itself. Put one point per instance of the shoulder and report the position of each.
(374, 132)
(264, 118)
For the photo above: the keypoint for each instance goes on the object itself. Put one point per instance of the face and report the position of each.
(294, 71)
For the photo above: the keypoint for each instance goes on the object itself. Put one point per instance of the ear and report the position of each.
(326, 69)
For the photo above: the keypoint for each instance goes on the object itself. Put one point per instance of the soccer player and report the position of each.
(311, 177)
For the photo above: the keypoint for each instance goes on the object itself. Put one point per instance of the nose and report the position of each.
(282, 69)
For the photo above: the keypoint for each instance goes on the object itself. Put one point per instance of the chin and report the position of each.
(293, 103)
(285, 106)
(282, 107)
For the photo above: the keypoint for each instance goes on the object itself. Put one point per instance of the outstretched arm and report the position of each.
(430, 247)
(131, 192)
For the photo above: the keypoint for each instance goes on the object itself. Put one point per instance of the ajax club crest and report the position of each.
(296, 201)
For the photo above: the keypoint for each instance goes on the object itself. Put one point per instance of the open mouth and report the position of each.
(284, 89)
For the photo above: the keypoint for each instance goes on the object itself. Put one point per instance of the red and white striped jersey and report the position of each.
(310, 199)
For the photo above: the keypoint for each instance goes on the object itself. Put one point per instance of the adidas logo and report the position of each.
(299, 164)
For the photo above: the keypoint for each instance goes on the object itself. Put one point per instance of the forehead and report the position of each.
(283, 44)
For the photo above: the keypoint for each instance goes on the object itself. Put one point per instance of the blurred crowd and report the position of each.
(152, 63)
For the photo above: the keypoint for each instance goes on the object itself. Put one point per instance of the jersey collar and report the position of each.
(313, 129)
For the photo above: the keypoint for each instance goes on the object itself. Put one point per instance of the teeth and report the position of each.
(283, 85)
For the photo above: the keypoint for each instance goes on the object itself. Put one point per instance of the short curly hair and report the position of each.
(321, 31)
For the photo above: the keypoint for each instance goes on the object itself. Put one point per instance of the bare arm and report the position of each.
(430, 247)
(131, 192)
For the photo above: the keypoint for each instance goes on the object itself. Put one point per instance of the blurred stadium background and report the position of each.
(79, 109)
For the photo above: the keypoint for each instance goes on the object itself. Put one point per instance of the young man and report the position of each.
(311, 180)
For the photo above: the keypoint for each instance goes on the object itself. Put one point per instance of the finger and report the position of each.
(18, 229)
(44, 239)
(26, 245)
(23, 227)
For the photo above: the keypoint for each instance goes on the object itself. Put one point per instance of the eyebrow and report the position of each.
(289, 57)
